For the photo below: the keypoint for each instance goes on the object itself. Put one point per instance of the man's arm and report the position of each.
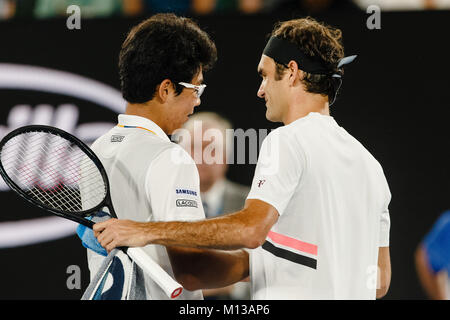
(203, 269)
(384, 267)
(247, 228)
(433, 283)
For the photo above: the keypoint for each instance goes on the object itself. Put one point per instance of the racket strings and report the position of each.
(50, 173)
(62, 193)
(54, 171)
(45, 197)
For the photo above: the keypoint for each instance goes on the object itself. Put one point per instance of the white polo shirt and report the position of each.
(151, 179)
(332, 197)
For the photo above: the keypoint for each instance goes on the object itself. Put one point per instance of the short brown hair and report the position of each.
(316, 40)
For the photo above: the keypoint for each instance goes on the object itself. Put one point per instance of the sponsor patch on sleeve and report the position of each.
(186, 192)
(186, 203)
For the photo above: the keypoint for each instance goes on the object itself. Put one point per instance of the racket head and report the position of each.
(41, 192)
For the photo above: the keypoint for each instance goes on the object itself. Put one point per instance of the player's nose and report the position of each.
(261, 92)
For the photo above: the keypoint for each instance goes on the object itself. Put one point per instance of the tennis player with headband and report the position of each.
(161, 67)
(316, 218)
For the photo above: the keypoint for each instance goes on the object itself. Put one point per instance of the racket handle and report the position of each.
(172, 288)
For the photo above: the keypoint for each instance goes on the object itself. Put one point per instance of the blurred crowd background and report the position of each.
(44, 9)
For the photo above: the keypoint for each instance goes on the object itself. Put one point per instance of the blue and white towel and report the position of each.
(118, 278)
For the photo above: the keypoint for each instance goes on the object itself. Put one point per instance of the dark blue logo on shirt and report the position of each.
(186, 191)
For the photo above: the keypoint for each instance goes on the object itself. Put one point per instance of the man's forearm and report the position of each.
(227, 232)
(247, 228)
(204, 268)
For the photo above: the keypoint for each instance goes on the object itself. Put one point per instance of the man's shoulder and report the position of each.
(442, 225)
(302, 127)
(100, 140)
(173, 155)
(144, 146)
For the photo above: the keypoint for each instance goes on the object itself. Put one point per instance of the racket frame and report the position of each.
(80, 216)
(172, 288)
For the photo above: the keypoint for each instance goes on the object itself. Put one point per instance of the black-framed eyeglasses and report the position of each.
(198, 88)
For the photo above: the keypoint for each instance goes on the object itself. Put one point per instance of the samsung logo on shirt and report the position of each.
(185, 191)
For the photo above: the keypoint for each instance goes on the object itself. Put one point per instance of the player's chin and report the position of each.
(182, 121)
(188, 115)
(270, 116)
(186, 118)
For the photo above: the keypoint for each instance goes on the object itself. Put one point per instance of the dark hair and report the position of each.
(164, 46)
(316, 40)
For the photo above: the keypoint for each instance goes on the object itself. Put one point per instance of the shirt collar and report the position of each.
(145, 123)
(316, 115)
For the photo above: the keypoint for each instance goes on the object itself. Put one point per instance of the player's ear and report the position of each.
(164, 89)
(294, 73)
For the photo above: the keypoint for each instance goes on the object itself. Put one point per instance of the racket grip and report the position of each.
(171, 287)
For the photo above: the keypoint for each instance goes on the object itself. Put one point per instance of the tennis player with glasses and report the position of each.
(316, 218)
(198, 89)
(161, 67)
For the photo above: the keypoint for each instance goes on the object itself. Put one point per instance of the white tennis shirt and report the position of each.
(151, 179)
(332, 197)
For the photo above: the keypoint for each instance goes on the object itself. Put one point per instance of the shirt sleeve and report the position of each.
(437, 244)
(278, 171)
(173, 187)
(385, 220)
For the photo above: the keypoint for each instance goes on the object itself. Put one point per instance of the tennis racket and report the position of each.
(57, 172)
